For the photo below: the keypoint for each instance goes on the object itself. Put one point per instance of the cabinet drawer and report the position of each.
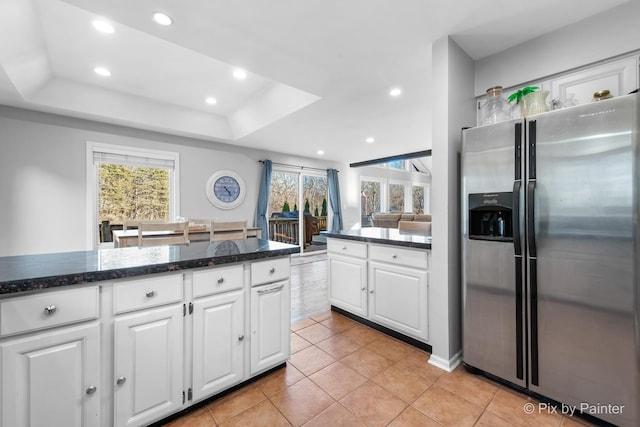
(143, 293)
(399, 256)
(270, 271)
(216, 280)
(48, 309)
(347, 247)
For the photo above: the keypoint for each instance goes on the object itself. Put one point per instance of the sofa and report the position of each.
(419, 223)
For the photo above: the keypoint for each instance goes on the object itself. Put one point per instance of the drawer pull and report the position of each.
(362, 288)
(394, 256)
(50, 309)
(150, 294)
(121, 380)
(344, 248)
(220, 280)
(371, 291)
(268, 291)
(272, 270)
(241, 338)
(91, 390)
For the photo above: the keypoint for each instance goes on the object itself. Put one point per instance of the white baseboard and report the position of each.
(444, 364)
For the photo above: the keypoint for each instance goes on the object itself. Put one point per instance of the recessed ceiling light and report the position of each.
(239, 74)
(370, 140)
(101, 71)
(396, 91)
(162, 18)
(211, 100)
(103, 26)
(320, 152)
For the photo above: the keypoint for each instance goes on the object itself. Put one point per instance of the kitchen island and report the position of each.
(127, 337)
(380, 276)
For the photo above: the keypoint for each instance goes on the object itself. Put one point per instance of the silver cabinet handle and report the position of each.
(273, 270)
(50, 309)
(344, 248)
(220, 280)
(394, 256)
(91, 390)
(363, 288)
(150, 294)
(268, 291)
(371, 291)
(121, 380)
(241, 337)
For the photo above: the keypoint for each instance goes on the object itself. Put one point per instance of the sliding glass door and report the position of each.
(298, 209)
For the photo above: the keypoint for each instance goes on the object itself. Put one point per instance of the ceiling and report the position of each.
(319, 72)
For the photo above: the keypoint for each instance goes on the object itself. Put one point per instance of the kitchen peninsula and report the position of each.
(129, 336)
(380, 276)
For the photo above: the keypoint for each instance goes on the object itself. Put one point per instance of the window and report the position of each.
(128, 183)
(298, 209)
(396, 197)
(398, 164)
(418, 199)
(371, 199)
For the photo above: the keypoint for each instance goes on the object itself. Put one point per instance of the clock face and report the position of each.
(226, 189)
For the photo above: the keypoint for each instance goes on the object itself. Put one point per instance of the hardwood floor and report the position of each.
(309, 294)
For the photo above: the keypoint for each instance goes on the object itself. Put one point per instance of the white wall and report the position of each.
(609, 34)
(43, 176)
(453, 87)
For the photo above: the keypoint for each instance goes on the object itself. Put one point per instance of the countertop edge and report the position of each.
(379, 240)
(15, 287)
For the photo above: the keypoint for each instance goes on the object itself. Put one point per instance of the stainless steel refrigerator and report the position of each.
(551, 255)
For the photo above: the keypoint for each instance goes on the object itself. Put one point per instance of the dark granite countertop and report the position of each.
(386, 236)
(34, 272)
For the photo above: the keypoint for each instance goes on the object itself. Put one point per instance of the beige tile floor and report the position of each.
(342, 373)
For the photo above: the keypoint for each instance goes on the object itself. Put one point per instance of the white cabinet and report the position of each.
(386, 284)
(218, 342)
(348, 283)
(270, 314)
(398, 298)
(52, 379)
(347, 271)
(148, 353)
(270, 325)
(619, 77)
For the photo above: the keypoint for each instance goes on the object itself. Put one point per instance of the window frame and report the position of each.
(92, 147)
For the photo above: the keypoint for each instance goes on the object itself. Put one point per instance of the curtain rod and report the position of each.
(295, 166)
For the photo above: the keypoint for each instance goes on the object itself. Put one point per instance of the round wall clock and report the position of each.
(225, 189)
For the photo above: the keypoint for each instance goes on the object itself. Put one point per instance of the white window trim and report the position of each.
(92, 182)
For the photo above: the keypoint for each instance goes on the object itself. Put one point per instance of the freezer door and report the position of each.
(492, 274)
(584, 203)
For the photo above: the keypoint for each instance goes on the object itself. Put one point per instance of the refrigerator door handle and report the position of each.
(517, 242)
(519, 320)
(531, 237)
(533, 317)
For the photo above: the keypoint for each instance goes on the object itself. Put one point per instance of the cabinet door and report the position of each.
(218, 343)
(270, 325)
(398, 298)
(348, 284)
(619, 77)
(52, 379)
(148, 357)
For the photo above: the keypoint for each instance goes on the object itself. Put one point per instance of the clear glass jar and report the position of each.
(495, 109)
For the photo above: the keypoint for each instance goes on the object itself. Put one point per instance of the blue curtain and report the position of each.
(263, 199)
(334, 199)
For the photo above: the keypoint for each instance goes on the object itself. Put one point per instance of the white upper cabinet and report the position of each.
(619, 77)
